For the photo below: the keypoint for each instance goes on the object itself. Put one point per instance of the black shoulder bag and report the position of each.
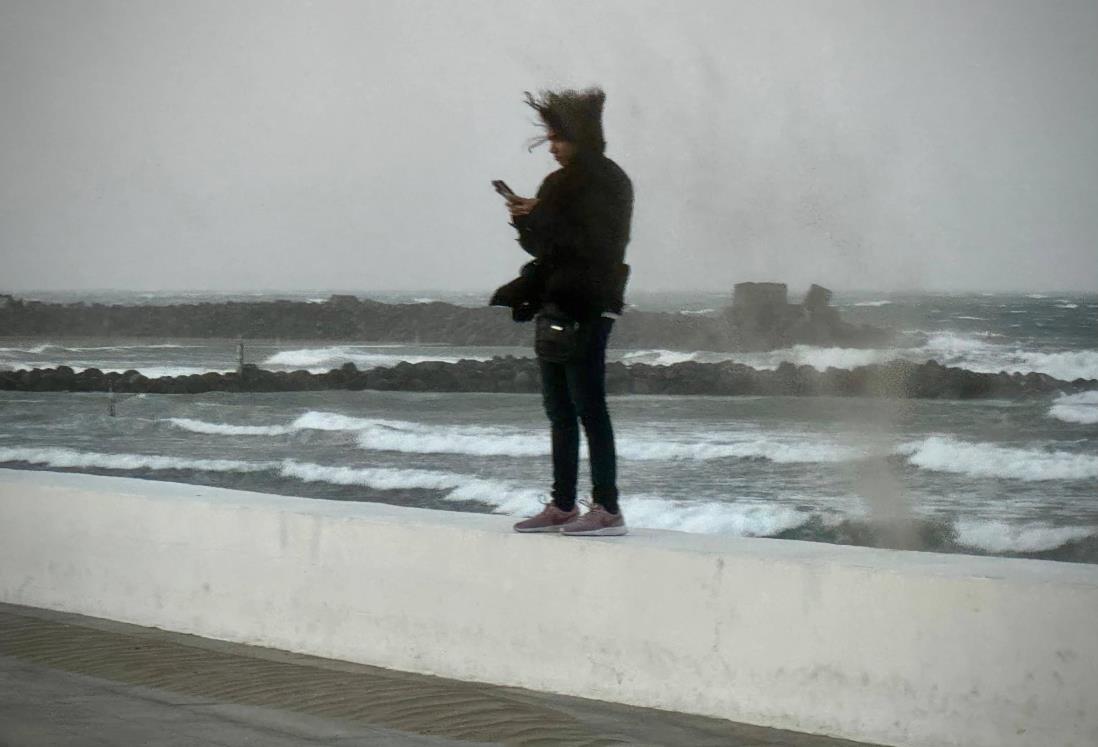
(557, 337)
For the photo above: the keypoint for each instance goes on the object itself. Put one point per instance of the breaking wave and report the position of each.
(48, 346)
(1001, 537)
(319, 360)
(945, 454)
(70, 458)
(975, 351)
(1076, 408)
(378, 434)
(225, 429)
(840, 521)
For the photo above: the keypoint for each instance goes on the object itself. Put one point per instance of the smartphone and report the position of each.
(503, 189)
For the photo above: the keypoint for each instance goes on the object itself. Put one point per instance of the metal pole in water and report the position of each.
(240, 357)
(110, 398)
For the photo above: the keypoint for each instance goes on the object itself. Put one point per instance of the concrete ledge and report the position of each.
(898, 648)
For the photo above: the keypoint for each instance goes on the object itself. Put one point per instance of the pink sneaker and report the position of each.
(551, 519)
(597, 522)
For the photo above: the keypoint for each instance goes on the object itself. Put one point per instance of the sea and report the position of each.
(991, 477)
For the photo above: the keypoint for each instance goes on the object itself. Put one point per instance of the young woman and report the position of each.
(576, 228)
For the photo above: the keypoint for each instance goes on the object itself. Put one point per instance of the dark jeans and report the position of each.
(574, 392)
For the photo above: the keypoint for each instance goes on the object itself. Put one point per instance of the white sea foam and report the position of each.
(63, 457)
(1000, 536)
(872, 303)
(659, 357)
(1036, 295)
(380, 434)
(946, 454)
(155, 372)
(333, 421)
(423, 439)
(46, 346)
(227, 429)
(974, 318)
(1076, 408)
(777, 449)
(1067, 306)
(975, 351)
(319, 360)
(378, 478)
(743, 519)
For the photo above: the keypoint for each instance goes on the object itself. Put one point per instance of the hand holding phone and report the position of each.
(507, 193)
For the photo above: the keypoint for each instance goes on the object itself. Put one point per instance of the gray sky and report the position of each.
(350, 145)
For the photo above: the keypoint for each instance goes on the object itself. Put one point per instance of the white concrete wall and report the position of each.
(893, 647)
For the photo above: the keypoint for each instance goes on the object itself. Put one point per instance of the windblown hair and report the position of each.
(575, 116)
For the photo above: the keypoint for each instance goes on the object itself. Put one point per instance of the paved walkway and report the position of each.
(74, 681)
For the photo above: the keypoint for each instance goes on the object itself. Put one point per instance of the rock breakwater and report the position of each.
(898, 378)
(759, 318)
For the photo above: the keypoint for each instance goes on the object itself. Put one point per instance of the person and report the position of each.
(576, 228)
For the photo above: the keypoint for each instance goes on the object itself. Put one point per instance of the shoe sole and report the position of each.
(604, 532)
(541, 530)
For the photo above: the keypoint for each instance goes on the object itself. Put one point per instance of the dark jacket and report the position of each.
(577, 234)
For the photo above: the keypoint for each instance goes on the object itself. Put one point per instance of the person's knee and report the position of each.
(592, 411)
(560, 413)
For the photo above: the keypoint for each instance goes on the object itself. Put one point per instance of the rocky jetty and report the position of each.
(901, 379)
(759, 318)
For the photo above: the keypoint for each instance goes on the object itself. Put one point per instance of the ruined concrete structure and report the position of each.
(763, 318)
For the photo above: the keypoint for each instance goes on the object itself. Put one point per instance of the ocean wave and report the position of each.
(1001, 537)
(659, 357)
(47, 346)
(416, 438)
(1036, 295)
(377, 478)
(946, 454)
(1076, 408)
(1066, 306)
(871, 303)
(787, 450)
(831, 520)
(319, 360)
(740, 518)
(980, 351)
(380, 434)
(227, 429)
(71, 458)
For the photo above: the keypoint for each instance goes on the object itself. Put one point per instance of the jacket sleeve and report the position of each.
(527, 235)
(550, 228)
(604, 216)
